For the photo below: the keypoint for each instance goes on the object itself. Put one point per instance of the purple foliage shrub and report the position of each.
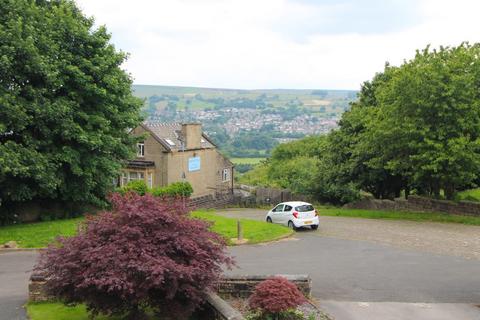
(146, 252)
(275, 295)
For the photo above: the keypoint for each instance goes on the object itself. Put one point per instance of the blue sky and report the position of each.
(277, 43)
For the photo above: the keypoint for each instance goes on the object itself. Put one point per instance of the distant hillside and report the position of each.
(248, 123)
(201, 98)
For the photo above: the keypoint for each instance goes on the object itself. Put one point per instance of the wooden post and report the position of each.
(239, 230)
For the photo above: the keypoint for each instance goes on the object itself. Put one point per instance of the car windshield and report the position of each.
(304, 208)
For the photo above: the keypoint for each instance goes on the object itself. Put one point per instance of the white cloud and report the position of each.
(249, 44)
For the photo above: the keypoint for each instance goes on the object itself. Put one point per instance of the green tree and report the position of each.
(66, 105)
(430, 121)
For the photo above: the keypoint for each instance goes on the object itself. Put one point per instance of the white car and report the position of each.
(294, 214)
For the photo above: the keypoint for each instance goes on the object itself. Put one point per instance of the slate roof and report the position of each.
(169, 135)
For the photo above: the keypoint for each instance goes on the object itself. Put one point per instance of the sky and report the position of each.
(272, 44)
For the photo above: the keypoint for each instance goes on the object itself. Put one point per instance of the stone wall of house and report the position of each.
(419, 204)
(242, 286)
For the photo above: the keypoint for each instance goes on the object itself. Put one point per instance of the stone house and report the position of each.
(172, 152)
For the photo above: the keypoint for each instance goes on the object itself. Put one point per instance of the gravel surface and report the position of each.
(439, 238)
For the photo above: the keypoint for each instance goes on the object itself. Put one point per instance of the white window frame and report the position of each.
(141, 149)
(150, 180)
(226, 175)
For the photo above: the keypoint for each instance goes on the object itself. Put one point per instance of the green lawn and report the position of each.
(468, 195)
(38, 235)
(58, 311)
(254, 231)
(399, 215)
(247, 160)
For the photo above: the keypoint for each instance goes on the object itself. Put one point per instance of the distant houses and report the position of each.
(172, 152)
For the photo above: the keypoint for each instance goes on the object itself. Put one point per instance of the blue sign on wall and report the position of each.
(194, 164)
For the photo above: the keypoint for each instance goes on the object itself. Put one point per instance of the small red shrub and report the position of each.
(275, 295)
(146, 252)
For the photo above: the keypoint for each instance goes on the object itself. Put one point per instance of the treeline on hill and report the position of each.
(413, 129)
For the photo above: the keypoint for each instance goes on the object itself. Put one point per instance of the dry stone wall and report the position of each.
(419, 204)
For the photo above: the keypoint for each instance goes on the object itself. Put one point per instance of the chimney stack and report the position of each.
(192, 133)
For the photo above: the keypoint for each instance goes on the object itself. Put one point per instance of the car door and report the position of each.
(277, 213)
(286, 214)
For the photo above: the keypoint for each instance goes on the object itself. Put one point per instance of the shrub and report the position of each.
(176, 189)
(145, 253)
(274, 296)
(137, 186)
(284, 315)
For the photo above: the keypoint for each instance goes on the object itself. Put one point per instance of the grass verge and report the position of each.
(400, 215)
(58, 311)
(40, 234)
(254, 231)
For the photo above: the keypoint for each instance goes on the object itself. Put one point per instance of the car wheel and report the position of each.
(269, 220)
(314, 226)
(291, 225)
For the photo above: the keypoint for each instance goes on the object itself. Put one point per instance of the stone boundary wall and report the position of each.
(212, 202)
(217, 308)
(221, 309)
(242, 286)
(419, 204)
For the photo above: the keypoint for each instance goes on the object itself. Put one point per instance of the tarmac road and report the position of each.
(372, 276)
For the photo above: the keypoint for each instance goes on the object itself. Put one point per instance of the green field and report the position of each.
(247, 160)
(276, 97)
(40, 234)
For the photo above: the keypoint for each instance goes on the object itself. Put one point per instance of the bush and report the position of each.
(176, 189)
(145, 253)
(137, 186)
(274, 296)
(284, 315)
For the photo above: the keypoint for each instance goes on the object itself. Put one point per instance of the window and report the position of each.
(287, 208)
(305, 208)
(150, 180)
(226, 175)
(132, 175)
(278, 208)
(141, 149)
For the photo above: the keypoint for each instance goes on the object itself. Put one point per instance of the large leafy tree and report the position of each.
(65, 104)
(429, 126)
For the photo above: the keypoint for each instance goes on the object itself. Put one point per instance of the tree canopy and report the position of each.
(66, 104)
(413, 128)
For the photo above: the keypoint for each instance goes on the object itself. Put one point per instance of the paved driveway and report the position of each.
(15, 269)
(361, 268)
(399, 269)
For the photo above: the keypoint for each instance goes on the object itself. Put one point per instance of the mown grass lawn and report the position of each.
(58, 311)
(40, 234)
(399, 215)
(254, 231)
